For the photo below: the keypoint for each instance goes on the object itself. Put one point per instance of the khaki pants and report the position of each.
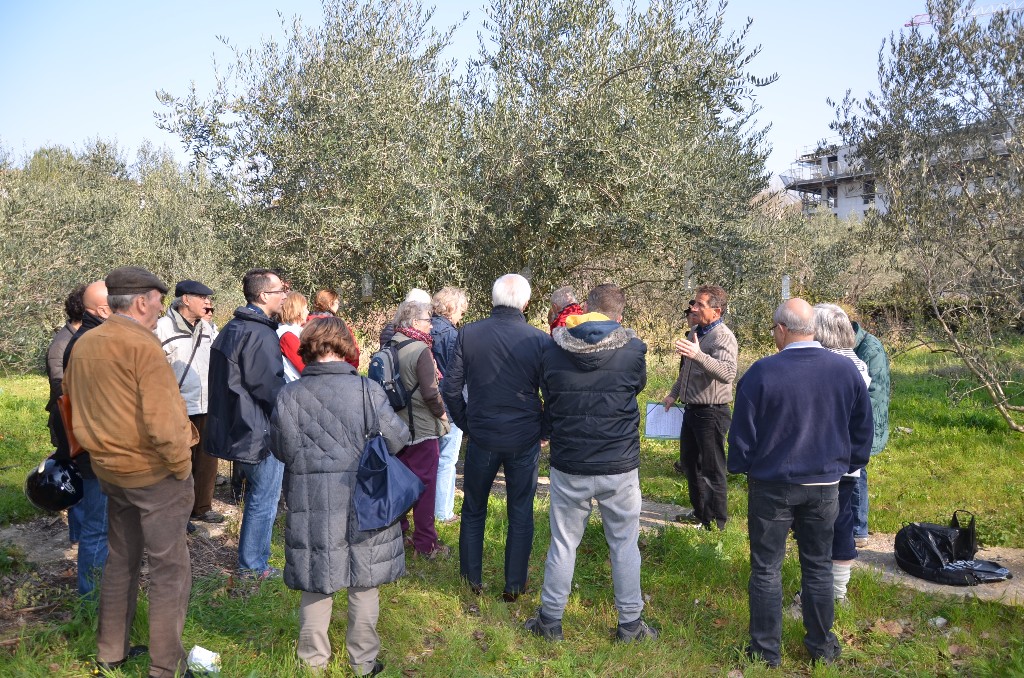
(151, 518)
(361, 639)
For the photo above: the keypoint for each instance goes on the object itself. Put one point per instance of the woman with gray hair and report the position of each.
(449, 305)
(833, 330)
(426, 417)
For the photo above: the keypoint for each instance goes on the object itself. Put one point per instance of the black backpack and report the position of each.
(945, 554)
(384, 370)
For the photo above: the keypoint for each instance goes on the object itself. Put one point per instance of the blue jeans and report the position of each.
(811, 511)
(444, 499)
(481, 467)
(89, 517)
(262, 492)
(860, 505)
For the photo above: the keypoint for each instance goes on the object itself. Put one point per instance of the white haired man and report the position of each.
(499, 360)
(802, 421)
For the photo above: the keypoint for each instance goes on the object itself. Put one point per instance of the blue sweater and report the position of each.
(801, 416)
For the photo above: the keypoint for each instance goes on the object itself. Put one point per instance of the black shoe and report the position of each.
(210, 517)
(689, 517)
(635, 631)
(133, 652)
(189, 527)
(548, 629)
(679, 468)
(378, 667)
(758, 657)
(509, 597)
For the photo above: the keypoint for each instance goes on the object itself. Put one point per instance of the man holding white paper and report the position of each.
(707, 369)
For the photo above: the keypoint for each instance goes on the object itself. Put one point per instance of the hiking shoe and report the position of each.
(134, 651)
(258, 575)
(442, 551)
(860, 542)
(209, 517)
(635, 631)
(548, 629)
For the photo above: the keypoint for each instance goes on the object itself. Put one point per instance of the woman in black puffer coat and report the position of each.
(318, 430)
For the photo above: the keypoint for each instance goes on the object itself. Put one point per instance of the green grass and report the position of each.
(695, 581)
(24, 441)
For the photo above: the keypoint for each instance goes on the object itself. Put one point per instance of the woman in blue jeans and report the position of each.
(449, 305)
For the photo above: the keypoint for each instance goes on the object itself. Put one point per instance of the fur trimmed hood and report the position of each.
(592, 341)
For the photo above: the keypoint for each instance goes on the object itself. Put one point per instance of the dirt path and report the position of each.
(44, 542)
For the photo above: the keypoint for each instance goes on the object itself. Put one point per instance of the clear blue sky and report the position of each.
(72, 70)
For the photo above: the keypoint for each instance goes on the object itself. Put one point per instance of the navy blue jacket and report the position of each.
(444, 335)
(498, 359)
(246, 372)
(801, 416)
(591, 377)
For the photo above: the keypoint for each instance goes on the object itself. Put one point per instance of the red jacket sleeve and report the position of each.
(354, 362)
(290, 350)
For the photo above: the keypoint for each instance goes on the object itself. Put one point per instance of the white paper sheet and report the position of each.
(663, 425)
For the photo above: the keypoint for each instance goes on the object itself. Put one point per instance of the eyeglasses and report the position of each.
(275, 291)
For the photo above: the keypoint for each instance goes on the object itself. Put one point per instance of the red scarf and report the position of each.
(571, 309)
(413, 333)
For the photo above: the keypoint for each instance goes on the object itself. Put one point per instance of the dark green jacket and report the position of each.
(869, 349)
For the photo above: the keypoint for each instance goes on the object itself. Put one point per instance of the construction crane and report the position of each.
(925, 19)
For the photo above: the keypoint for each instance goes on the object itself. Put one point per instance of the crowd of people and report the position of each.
(158, 397)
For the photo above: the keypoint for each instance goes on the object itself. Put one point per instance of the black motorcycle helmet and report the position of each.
(54, 485)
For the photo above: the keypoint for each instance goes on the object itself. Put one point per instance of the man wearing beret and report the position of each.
(186, 339)
(127, 412)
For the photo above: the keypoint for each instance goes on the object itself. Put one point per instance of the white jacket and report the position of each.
(188, 350)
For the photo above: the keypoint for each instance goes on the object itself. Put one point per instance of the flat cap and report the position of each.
(133, 280)
(192, 287)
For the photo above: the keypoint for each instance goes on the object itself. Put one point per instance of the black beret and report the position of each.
(133, 280)
(192, 287)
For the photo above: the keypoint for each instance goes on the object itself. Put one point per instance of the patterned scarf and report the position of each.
(413, 333)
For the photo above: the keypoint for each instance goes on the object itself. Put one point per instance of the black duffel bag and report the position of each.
(945, 554)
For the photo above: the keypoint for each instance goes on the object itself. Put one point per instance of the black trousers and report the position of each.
(702, 455)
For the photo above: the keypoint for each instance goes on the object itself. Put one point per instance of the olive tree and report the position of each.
(610, 143)
(339, 148)
(942, 137)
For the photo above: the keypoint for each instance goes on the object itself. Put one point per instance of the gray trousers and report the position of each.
(618, 499)
(361, 639)
(151, 518)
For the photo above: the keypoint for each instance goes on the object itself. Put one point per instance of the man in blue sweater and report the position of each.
(802, 419)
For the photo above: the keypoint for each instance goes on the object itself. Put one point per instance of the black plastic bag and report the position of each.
(945, 554)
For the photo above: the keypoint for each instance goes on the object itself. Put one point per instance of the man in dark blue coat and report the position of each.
(802, 420)
(246, 372)
(498, 360)
(591, 376)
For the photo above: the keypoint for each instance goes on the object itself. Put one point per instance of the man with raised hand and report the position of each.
(128, 414)
(498, 360)
(591, 377)
(246, 373)
(707, 368)
(802, 420)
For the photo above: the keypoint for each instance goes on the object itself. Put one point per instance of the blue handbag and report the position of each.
(385, 487)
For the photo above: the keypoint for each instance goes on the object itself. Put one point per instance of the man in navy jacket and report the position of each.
(802, 419)
(246, 373)
(592, 375)
(498, 360)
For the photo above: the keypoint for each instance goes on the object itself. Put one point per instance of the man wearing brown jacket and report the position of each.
(706, 372)
(127, 412)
